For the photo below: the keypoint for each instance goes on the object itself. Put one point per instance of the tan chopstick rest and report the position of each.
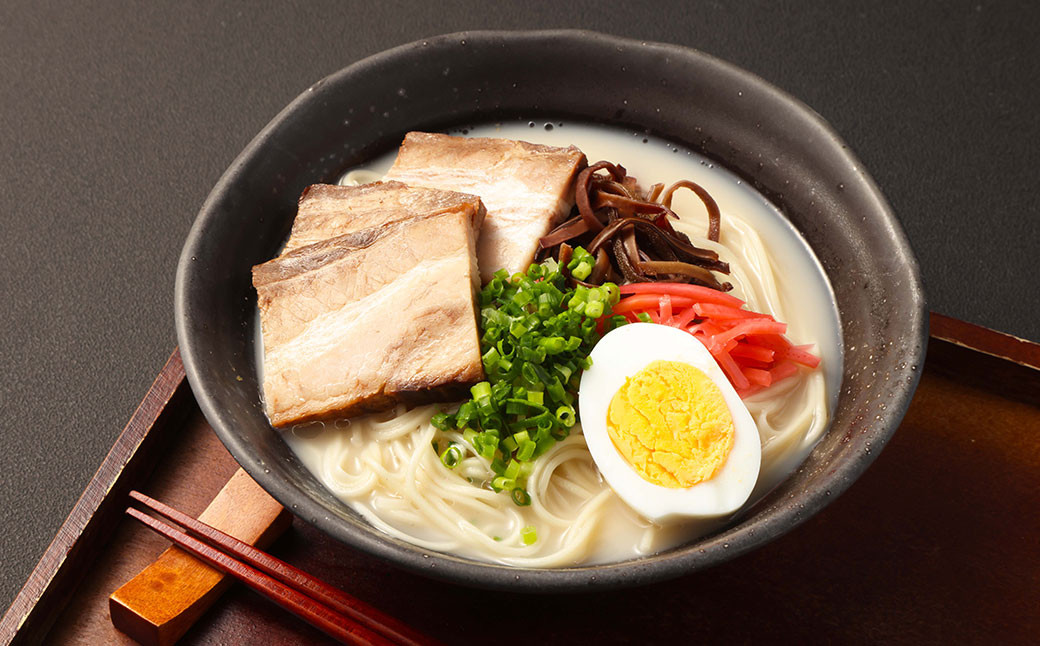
(158, 605)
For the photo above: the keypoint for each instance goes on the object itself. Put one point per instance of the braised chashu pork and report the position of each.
(360, 322)
(327, 211)
(526, 188)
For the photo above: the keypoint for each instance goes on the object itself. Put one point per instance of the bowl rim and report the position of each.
(719, 547)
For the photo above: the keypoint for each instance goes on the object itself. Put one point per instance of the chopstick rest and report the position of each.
(158, 605)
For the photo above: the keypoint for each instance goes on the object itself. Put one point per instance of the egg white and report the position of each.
(622, 353)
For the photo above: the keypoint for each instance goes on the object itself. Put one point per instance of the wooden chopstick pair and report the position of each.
(332, 611)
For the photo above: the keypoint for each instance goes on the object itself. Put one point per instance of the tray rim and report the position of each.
(55, 578)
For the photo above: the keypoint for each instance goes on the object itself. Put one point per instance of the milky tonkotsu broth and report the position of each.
(806, 302)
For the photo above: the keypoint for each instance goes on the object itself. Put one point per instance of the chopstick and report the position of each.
(332, 611)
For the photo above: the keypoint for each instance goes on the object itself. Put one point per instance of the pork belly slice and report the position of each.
(327, 211)
(526, 188)
(363, 321)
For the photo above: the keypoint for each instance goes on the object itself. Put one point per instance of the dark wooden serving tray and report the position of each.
(938, 542)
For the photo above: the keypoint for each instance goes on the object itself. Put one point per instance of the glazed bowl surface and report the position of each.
(764, 136)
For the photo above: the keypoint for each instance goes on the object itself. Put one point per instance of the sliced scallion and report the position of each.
(451, 456)
(535, 335)
(529, 535)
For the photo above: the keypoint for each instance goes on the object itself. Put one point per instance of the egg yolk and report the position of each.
(671, 423)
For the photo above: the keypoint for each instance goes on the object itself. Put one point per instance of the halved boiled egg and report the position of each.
(664, 425)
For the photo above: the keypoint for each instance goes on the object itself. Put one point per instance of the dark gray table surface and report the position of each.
(117, 120)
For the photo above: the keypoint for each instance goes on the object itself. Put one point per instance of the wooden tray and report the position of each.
(937, 542)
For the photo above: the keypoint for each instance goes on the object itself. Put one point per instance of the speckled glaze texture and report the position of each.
(770, 139)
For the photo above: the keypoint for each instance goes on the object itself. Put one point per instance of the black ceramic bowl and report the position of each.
(763, 135)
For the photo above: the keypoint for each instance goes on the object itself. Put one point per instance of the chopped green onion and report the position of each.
(517, 329)
(566, 415)
(534, 356)
(528, 535)
(522, 298)
(644, 317)
(503, 483)
(484, 406)
(526, 450)
(466, 412)
(451, 457)
(498, 466)
(500, 392)
(520, 497)
(555, 390)
(554, 344)
(491, 358)
(565, 371)
(518, 406)
(512, 470)
(506, 348)
(481, 390)
(494, 288)
(536, 334)
(533, 421)
(527, 372)
(488, 446)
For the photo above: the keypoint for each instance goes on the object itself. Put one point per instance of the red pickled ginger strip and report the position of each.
(696, 292)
